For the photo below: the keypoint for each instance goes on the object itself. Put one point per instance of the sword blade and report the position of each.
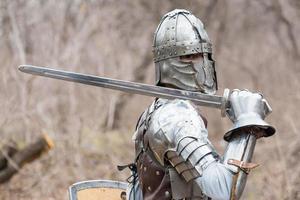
(197, 98)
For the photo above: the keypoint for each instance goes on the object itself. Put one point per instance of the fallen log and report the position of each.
(23, 156)
(6, 151)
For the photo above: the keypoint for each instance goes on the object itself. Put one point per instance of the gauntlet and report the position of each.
(248, 110)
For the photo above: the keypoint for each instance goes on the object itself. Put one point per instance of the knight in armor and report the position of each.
(174, 158)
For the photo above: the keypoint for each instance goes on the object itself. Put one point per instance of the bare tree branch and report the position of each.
(139, 76)
(278, 10)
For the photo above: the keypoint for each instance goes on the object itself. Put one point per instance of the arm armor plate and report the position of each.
(178, 137)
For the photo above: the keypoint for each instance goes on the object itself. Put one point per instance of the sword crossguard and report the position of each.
(225, 101)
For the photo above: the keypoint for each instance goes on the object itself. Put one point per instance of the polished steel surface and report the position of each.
(197, 98)
(177, 133)
(178, 34)
(247, 110)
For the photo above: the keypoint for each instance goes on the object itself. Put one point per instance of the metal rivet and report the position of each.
(183, 51)
(170, 54)
(149, 188)
(157, 173)
(173, 27)
(167, 194)
(175, 52)
(187, 47)
(173, 38)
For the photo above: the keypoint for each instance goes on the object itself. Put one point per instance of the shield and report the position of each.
(98, 189)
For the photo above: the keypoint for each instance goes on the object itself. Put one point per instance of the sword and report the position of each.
(213, 101)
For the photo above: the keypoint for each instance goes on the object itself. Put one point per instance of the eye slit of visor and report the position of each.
(191, 57)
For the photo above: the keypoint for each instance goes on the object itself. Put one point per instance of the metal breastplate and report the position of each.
(156, 181)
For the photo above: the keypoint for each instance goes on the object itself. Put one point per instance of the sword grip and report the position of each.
(267, 106)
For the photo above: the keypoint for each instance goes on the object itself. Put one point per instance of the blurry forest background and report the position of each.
(256, 46)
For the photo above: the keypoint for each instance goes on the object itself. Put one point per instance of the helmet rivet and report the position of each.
(167, 194)
(175, 52)
(173, 27)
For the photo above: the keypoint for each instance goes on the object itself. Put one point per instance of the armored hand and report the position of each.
(248, 110)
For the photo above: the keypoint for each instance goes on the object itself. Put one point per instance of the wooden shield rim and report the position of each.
(73, 189)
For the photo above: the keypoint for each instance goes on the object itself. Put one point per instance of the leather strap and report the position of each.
(244, 166)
